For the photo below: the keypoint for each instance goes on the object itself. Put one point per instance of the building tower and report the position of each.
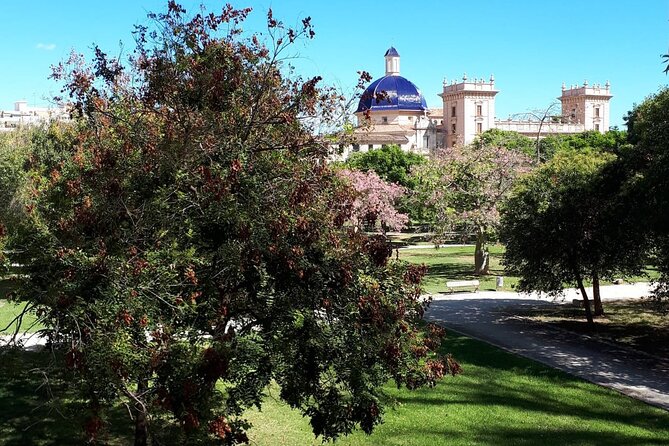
(587, 105)
(469, 109)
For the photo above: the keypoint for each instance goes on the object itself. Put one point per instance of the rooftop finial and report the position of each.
(464, 77)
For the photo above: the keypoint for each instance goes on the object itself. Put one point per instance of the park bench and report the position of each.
(451, 285)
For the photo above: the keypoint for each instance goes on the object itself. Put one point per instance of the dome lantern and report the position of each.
(392, 62)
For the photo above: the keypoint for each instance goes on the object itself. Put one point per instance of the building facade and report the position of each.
(392, 110)
(469, 109)
(24, 115)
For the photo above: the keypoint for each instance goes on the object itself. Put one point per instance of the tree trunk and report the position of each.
(141, 425)
(596, 296)
(586, 302)
(481, 255)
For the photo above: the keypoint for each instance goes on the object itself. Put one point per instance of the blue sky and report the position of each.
(530, 46)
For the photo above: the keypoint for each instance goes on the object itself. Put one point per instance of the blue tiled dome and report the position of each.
(400, 94)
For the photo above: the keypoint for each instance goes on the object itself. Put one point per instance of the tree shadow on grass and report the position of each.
(30, 416)
(528, 436)
(507, 417)
(452, 271)
(640, 335)
(33, 413)
(509, 400)
(39, 406)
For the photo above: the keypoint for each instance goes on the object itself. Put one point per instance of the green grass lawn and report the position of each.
(500, 399)
(457, 263)
(9, 310)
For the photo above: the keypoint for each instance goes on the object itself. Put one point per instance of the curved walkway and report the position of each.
(490, 316)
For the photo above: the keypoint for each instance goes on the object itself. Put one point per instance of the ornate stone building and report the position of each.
(392, 110)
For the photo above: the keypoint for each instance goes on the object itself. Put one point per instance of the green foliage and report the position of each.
(14, 147)
(13, 150)
(508, 139)
(613, 141)
(567, 222)
(541, 223)
(390, 162)
(185, 240)
(394, 165)
(647, 166)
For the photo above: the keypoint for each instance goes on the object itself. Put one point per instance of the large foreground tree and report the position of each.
(186, 242)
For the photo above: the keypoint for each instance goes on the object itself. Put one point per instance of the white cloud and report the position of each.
(46, 46)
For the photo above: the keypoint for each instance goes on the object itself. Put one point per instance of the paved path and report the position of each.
(489, 316)
(27, 341)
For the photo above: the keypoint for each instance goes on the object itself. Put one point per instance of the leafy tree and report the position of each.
(647, 162)
(465, 185)
(375, 201)
(507, 139)
(613, 141)
(393, 164)
(566, 223)
(390, 162)
(14, 147)
(186, 243)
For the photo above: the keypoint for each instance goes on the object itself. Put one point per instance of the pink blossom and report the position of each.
(375, 200)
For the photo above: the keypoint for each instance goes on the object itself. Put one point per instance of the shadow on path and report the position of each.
(492, 320)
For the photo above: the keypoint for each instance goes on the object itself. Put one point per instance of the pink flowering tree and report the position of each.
(375, 201)
(464, 186)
